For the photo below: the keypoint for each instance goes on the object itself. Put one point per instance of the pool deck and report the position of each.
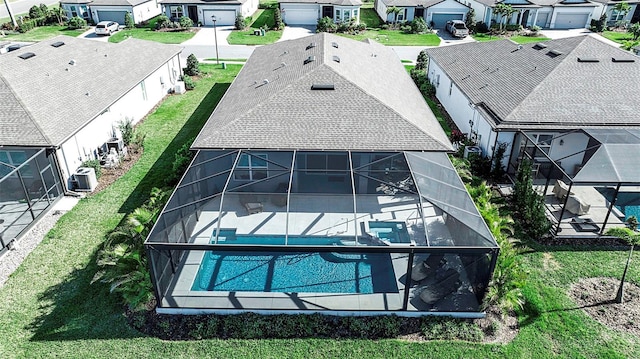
(309, 216)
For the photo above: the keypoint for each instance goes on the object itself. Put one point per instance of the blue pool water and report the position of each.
(394, 232)
(294, 272)
(627, 202)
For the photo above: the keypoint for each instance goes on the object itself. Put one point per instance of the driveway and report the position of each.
(206, 36)
(91, 35)
(561, 34)
(296, 32)
(447, 39)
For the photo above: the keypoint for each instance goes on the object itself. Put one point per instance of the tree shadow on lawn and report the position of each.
(76, 308)
(156, 175)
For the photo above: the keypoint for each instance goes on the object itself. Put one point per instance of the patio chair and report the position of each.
(428, 267)
(444, 285)
(561, 189)
(251, 203)
(576, 205)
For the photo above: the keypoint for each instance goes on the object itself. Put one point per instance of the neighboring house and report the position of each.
(636, 50)
(62, 100)
(307, 12)
(111, 10)
(436, 13)
(493, 90)
(607, 7)
(203, 11)
(552, 14)
(321, 182)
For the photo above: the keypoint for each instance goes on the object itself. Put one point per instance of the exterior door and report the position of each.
(193, 13)
(327, 11)
(419, 12)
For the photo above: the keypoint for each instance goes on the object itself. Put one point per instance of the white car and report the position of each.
(106, 27)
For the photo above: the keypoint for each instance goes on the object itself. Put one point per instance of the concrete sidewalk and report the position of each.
(206, 36)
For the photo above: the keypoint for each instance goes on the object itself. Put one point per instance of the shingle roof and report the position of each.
(333, 2)
(374, 106)
(423, 3)
(529, 88)
(203, 2)
(560, 3)
(117, 2)
(45, 99)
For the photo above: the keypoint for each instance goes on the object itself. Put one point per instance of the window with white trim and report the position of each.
(617, 15)
(251, 167)
(401, 15)
(176, 11)
(543, 140)
(326, 163)
(338, 14)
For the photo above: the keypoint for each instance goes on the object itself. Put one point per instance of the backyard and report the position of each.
(51, 308)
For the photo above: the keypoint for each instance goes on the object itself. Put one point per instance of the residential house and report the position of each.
(63, 99)
(551, 14)
(436, 13)
(317, 186)
(614, 17)
(111, 10)
(565, 104)
(307, 12)
(203, 11)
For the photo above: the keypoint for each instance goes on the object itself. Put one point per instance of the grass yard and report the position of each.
(519, 39)
(370, 17)
(50, 308)
(42, 33)
(617, 36)
(146, 33)
(262, 17)
(396, 38)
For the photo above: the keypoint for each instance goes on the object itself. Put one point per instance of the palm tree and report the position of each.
(632, 238)
(505, 11)
(395, 11)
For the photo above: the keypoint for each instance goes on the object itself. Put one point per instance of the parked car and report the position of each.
(106, 27)
(457, 28)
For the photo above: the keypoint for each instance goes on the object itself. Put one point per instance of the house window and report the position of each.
(355, 13)
(143, 87)
(176, 12)
(322, 163)
(401, 15)
(617, 15)
(251, 167)
(346, 15)
(338, 13)
(74, 11)
(543, 140)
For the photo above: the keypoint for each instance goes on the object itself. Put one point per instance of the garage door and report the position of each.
(223, 17)
(542, 20)
(117, 16)
(571, 21)
(301, 16)
(440, 20)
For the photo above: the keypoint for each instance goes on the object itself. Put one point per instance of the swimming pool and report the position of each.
(394, 232)
(627, 202)
(296, 272)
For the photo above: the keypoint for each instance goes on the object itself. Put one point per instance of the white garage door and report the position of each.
(223, 17)
(117, 16)
(440, 20)
(301, 16)
(571, 21)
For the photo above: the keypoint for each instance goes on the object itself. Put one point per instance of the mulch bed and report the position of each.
(110, 175)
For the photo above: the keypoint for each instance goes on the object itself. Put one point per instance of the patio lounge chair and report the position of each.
(577, 206)
(428, 267)
(440, 288)
(561, 189)
(251, 203)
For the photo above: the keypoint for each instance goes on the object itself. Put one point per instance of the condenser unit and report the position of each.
(85, 179)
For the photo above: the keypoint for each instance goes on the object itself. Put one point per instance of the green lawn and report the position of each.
(229, 60)
(262, 17)
(396, 38)
(50, 308)
(619, 37)
(370, 17)
(42, 33)
(147, 33)
(519, 39)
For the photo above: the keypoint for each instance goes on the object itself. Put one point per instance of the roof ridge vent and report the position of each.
(334, 44)
(309, 59)
(311, 45)
(588, 59)
(323, 87)
(539, 46)
(613, 59)
(57, 44)
(26, 55)
(336, 58)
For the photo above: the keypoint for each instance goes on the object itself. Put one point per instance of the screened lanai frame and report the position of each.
(425, 180)
(605, 166)
(29, 185)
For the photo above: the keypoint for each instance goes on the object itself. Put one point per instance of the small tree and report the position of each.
(76, 23)
(622, 8)
(634, 29)
(59, 14)
(497, 168)
(395, 11)
(193, 66)
(469, 20)
(240, 23)
(35, 12)
(632, 238)
(423, 60)
(44, 10)
(128, 21)
(505, 11)
(419, 26)
(529, 204)
(277, 19)
(126, 130)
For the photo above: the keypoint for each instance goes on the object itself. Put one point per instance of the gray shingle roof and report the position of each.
(45, 99)
(375, 105)
(528, 88)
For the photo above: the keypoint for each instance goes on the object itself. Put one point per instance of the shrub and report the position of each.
(481, 27)
(422, 62)
(240, 22)
(277, 19)
(128, 21)
(76, 23)
(634, 29)
(326, 24)
(497, 168)
(35, 12)
(27, 25)
(513, 27)
(188, 82)
(529, 204)
(419, 26)
(385, 27)
(192, 68)
(44, 10)
(95, 164)
(469, 20)
(180, 163)
(126, 130)
(163, 22)
(185, 22)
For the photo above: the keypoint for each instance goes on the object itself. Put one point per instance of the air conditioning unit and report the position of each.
(180, 88)
(472, 149)
(115, 143)
(85, 179)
